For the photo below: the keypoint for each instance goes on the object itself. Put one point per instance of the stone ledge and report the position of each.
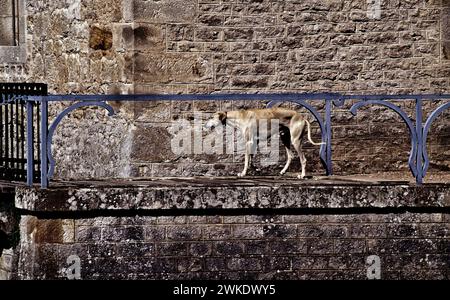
(231, 193)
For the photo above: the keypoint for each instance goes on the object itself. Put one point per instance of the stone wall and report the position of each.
(196, 229)
(9, 234)
(325, 246)
(205, 46)
(276, 228)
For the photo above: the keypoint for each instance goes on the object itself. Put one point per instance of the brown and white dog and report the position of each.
(292, 129)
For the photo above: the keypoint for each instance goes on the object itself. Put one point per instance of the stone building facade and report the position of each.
(245, 46)
(196, 46)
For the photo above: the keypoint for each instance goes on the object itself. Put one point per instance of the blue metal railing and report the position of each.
(19, 115)
(418, 159)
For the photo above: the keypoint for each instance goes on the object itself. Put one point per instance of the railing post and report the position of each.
(328, 106)
(30, 144)
(44, 134)
(419, 130)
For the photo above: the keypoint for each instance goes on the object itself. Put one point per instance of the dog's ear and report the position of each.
(222, 116)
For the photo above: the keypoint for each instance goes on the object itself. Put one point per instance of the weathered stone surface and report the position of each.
(155, 111)
(107, 142)
(176, 46)
(181, 255)
(197, 194)
(152, 144)
(6, 7)
(170, 68)
(165, 11)
(100, 39)
(107, 11)
(149, 37)
(173, 46)
(6, 33)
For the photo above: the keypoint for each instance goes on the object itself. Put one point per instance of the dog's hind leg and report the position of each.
(286, 139)
(249, 146)
(297, 130)
(301, 155)
(288, 160)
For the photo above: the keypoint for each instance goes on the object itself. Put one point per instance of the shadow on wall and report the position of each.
(4, 242)
(9, 223)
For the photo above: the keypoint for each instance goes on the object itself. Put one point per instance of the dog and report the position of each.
(292, 129)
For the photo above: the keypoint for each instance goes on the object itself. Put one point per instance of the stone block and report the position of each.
(149, 37)
(320, 246)
(231, 248)
(322, 231)
(248, 264)
(172, 249)
(107, 250)
(123, 37)
(310, 263)
(190, 266)
(208, 34)
(278, 231)
(169, 68)
(49, 231)
(248, 231)
(100, 38)
(216, 264)
(238, 34)
(6, 33)
(398, 51)
(200, 249)
(343, 246)
(216, 232)
(6, 7)
(100, 11)
(256, 247)
(152, 111)
(152, 144)
(283, 247)
(117, 234)
(178, 233)
(165, 11)
(154, 233)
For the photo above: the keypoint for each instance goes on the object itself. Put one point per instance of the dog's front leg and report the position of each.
(249, 141)
(248, 147)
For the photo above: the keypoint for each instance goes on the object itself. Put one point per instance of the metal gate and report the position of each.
(19, 131)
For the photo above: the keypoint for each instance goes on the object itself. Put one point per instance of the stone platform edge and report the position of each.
(183, 197)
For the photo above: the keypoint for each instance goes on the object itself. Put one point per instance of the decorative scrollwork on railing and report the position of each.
(412, 157)
(426, 129)
(58, 120)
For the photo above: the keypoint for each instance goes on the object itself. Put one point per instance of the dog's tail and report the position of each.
(308, 125)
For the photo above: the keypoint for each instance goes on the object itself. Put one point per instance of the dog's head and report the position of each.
(219, 118)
